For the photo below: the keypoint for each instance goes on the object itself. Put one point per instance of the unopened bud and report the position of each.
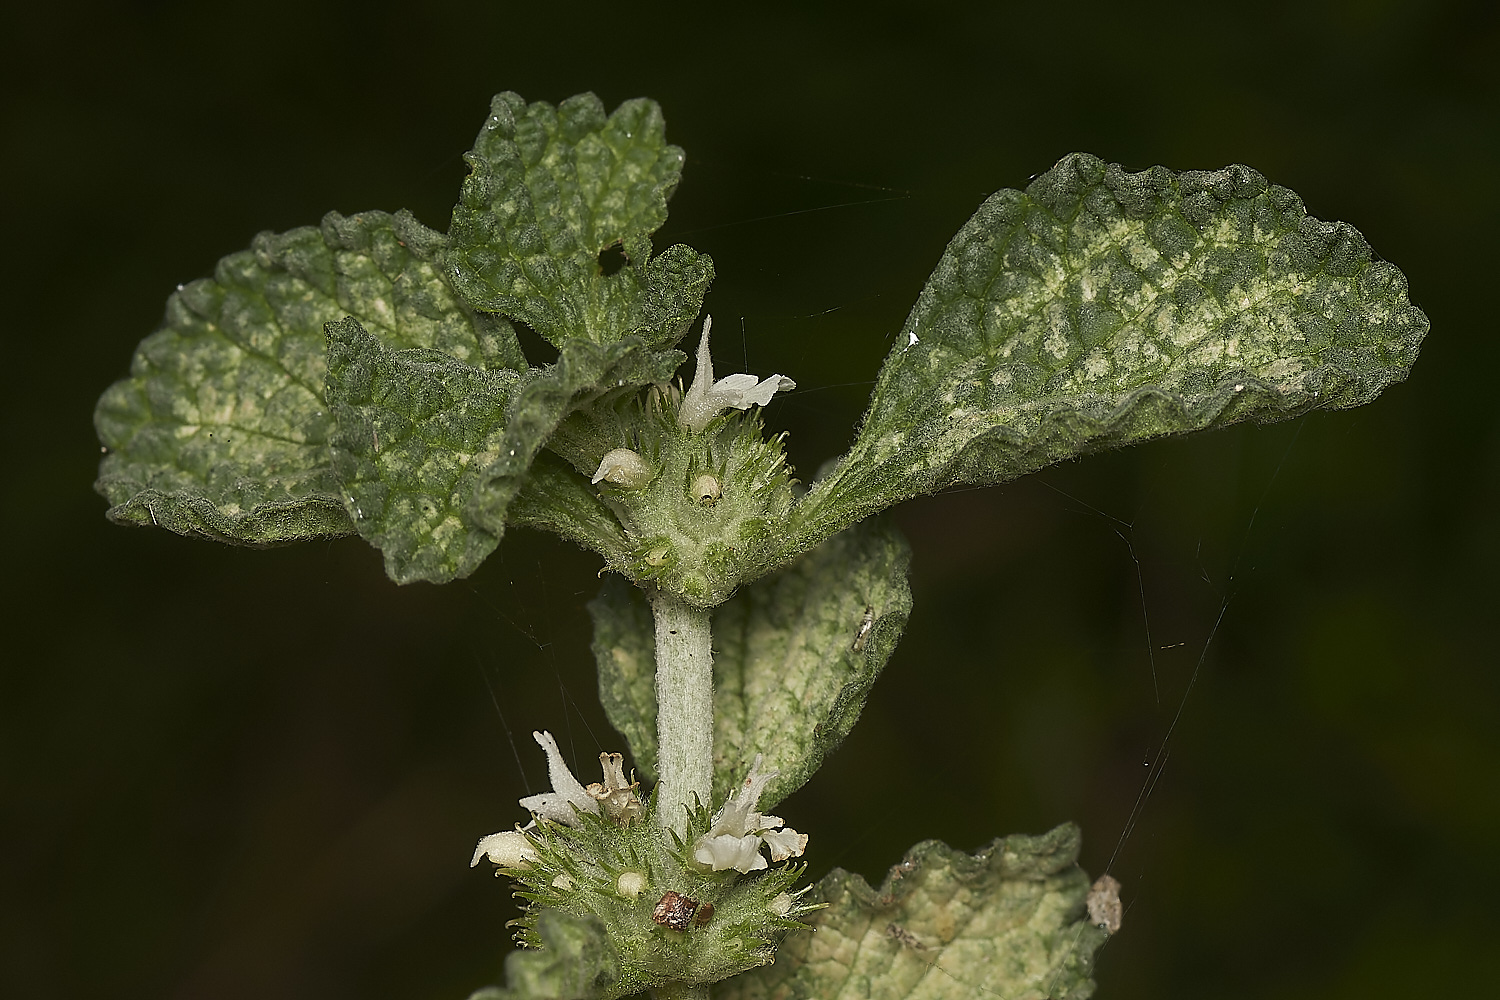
(624, 467)
(630, 884)
(707, 490)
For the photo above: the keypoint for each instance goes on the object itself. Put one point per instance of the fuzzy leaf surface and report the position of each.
(585, 372)
(1008, 921)
(553, 187)
(221, 429)
(415, 429)
(1100, 308)
(795, 656)
(797, 652)
(575, 962)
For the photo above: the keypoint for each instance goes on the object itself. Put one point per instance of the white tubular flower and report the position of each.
(509, 849)
(624, 467)
(706, 399)
(567, 792)
(738, 831)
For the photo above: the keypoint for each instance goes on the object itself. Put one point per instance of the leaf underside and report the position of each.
(1100, 308)
(795, 655)
(553, 187)
(221, 429)
(1008, 921)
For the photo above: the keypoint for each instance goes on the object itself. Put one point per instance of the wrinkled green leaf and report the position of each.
(795, 655)
(415, 429)
(585, 372)
(1101, 308)
(575, 962)
(1006, 922)
(221, 429)
(550, 189)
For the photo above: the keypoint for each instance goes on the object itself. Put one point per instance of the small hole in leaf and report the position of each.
(538, 349)
(611, 259)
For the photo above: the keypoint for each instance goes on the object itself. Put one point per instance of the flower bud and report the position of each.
(630, 884)
(624, 467)
(707, 490)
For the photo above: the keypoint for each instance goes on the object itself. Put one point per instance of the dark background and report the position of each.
(229, 774)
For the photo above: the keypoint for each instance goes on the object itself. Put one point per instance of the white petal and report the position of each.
(738, 817)
(726, 852)
(508, 849)
(744, 391)
(696, 410)
(706, 399)
(566, 789)
(785, 844)
(755, 783)
(550, 805)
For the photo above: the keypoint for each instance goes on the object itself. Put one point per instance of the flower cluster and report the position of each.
(738, 831)
(614, 797)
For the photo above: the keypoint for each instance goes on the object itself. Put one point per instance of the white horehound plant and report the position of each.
(364, 376)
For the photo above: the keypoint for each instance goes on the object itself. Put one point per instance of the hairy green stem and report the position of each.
(684, 709)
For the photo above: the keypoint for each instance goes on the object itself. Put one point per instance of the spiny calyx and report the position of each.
(701, 493)
(667, 915)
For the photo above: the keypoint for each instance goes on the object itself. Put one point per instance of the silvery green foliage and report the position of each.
(796, 654)
(1095, 309)
(224, 428)
(414, 429)
(363, 376)
(1008, 921)
(221, 429)
(1099, 308)
(551, 188)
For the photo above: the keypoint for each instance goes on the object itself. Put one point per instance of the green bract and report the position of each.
(364, 376)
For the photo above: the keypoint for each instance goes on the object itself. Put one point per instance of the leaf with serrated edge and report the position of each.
(584, 373)
(1101, 308)
(415, 429)
(221, 429)
(795, 655)
(550, 189)
(1007, 922)
(575, 962)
